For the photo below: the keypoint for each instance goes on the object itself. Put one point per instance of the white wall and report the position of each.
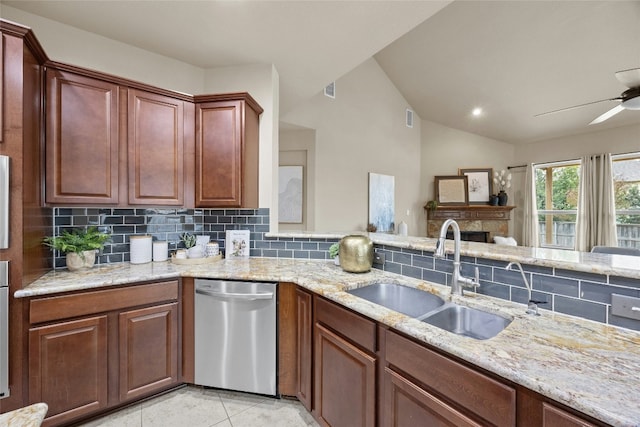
(362, 130)
(445, 150)
(70, 45)
(297, 141)
(261, 81)
(619, 140)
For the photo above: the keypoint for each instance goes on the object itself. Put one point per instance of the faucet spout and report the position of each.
(457, 280)
(532, 305)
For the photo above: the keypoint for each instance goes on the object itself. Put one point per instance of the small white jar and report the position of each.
(213, 249)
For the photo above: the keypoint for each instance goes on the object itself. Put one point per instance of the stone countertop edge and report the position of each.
(583, 364)
(606, 264)
(31, 415)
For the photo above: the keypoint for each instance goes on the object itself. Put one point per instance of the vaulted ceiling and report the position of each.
(514, 59)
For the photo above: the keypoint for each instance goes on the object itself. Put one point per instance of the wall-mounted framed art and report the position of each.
(480, 184)
(452, 190)
(290, 194)
(382, 202)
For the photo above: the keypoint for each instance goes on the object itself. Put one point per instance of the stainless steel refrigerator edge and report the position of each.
(4, 202)
(235, 335)
(4, 329)
(4, 277)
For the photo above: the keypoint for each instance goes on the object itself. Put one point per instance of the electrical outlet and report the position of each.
(378, 258)
(624, 306)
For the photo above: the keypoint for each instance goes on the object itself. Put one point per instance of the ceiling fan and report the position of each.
(629, 99)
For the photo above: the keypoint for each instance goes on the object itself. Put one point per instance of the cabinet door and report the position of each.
(407, 405)
(68, 367)
(148, 350)
(155, 149)
(227, 151)
(553, 416)
(304, 353)
(81, 139)
(219, 142)
(344, 381)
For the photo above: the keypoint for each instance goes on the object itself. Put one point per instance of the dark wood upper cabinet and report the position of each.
(227, 129)
(110, 141)
(155, 149)
(81, 139)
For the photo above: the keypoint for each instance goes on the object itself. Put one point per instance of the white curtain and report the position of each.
(596, 222)
(530, 214)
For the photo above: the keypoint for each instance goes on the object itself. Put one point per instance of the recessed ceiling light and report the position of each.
(477, 112)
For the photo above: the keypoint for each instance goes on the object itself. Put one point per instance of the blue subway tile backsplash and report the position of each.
(579, 294)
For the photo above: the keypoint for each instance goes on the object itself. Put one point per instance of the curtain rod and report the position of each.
(518, 166)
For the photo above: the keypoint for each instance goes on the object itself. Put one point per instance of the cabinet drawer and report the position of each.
(554, 416)
(491, 400)
(84, 303)
(356, 328)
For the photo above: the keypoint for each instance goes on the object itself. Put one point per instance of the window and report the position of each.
(626, 182)
(557, 202)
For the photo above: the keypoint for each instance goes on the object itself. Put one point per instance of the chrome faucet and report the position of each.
(457, 281)
(532, 305)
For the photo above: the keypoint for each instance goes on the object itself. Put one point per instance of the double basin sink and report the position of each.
(432, 309)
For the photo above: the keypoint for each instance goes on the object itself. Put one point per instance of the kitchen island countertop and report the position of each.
(586, 365)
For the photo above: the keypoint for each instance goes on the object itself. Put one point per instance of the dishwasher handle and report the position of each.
(231, 295)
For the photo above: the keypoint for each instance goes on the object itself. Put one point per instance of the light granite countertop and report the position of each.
(29, 416)
(617, 265)
(586, 365)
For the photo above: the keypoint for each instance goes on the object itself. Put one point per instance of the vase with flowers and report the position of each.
(502, 181)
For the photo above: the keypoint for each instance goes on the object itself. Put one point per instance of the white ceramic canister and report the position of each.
(160, 250)
(403, 228)
(140, 248)
(213, 249)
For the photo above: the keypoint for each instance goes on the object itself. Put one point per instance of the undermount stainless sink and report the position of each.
(403, 299)
(431, 309)
(467, 321)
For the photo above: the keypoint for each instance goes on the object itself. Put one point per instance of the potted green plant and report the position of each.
(79, 245)
(431, 205)
(334, 252)
(190, 242)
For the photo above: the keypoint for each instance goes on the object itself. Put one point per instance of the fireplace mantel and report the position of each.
(492, 219)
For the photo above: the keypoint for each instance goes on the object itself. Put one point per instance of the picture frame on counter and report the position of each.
(480, 184)
(237, 244)
(452, 190)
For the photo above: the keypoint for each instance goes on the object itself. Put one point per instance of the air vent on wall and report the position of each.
(409, 118)
(330, 90)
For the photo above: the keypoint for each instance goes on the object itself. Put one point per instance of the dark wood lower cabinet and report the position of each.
(304, 351)
(552, 416)
(68, 367)
(345, 382)
(408, 405)
(478, 396)
(95, 350)
(148, 350)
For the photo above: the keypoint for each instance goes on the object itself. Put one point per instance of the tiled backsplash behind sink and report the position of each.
(586, 295)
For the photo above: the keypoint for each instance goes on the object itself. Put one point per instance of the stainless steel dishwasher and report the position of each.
(235, 335)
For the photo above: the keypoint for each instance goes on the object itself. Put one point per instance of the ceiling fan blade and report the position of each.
(629, 78)
(601, 118)
(577, 106)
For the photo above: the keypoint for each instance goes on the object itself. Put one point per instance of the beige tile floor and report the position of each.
(194, 406)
